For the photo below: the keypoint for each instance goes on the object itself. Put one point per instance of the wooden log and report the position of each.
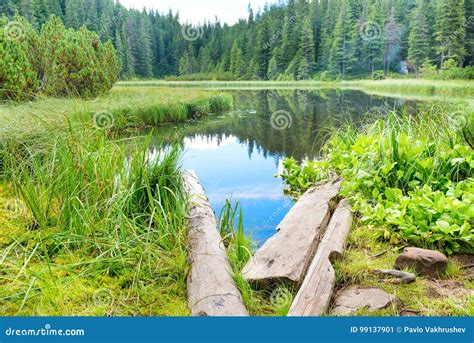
(315, 294)
(211, 288)
(287, 255)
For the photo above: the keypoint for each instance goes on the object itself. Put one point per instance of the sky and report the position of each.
(195, 11)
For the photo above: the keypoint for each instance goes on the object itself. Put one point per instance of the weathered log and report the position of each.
(315, 294)
(287, 255)
(211, 288)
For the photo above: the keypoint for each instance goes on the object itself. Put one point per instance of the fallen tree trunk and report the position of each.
(211, 288)
(287, 255)
(315, 293)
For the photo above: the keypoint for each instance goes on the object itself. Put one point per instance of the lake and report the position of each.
(237, 154)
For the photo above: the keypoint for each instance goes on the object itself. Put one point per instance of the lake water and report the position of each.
(237, 154)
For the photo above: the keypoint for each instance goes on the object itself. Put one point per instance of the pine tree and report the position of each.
(71, 18)
(342, 51)
(469, 24)
(40, 12)
(290, 36)
(451, 31)
(419, 40)
(263, 51)
(236, 62)
(374, 44)
(142, 51)
(306, 51)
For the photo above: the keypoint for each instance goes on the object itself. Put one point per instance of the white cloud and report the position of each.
(197, 11)
(204, 143)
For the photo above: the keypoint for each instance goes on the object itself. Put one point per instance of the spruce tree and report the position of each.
(451, 31)
(419, 39)
(469, 24)
(342, 51)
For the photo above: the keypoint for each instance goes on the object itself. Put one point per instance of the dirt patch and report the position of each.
(466, 262)
(446, 288)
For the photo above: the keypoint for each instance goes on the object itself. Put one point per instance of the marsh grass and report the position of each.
(106, 228)
(401, 86)
(121, 108)
(102, 229)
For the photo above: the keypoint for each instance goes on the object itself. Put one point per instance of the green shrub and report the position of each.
(79, 63)
(18, 79)
(55, 61)
(378, 75)
(428, 70)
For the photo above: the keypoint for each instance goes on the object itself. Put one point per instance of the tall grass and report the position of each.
(103, 216)
(121, 108)
(274, 301)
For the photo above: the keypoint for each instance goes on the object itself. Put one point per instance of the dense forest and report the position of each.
(290, 40)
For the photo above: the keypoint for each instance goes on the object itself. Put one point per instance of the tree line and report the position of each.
(289, 40)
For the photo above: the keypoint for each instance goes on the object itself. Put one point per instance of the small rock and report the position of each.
(409, 313)
(354, 298)
(426, 262)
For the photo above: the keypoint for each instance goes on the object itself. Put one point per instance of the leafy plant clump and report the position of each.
(54, 61)
(410, 178)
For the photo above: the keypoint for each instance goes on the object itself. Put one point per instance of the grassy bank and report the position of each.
(121, 108)
(457, 88)
(92, 227)
(93, 224)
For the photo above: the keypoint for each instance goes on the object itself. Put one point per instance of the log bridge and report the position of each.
(311, 236)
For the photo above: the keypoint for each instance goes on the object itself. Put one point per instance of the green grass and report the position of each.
(93, 224)
(129, 107)
(404, 87)
(104, 230)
